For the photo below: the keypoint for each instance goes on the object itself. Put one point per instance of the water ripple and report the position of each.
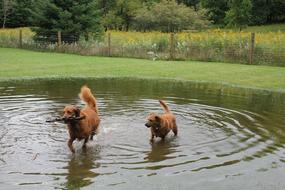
(213, 139)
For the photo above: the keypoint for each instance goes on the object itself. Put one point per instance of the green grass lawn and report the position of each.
(18, 64)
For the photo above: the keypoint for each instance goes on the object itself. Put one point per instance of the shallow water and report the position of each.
(228, 138)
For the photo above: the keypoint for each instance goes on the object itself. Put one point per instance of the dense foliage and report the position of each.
(83, 17)
(168, 16)
(239, 13)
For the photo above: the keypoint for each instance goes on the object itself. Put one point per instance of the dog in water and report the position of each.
(161, 125)
(88, 124)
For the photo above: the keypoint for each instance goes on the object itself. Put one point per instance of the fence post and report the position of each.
(109, 44)
(59, 38)
(251, 48)
(172, 48)
(20, 38)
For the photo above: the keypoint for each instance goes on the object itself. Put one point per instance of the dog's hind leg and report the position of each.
(174, 129)
(95, 131)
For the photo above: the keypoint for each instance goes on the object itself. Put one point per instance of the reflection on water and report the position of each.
(81, 170)
(229, 138)
(160, 151)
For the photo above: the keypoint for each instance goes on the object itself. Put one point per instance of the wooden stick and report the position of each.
(35, 157)
(109, 44)
(20, 39)
(59, 38)
(251, 48)
(66, 119)
(172, 48)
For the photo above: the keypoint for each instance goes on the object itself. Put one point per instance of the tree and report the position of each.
(168, 16)
(105, 6)
(21, 13)
(112, 21)
(216, 10)
(277, 13)
(127, 10)
(119, 14)
(145, 19)
(265, 11)
(190, 3)
(7, 9)
(239, 13)
(260, 12)
(74, 18)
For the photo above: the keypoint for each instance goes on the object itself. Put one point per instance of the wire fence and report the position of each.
(167, 47)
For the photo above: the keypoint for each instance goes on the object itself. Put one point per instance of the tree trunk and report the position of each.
(86, 36)
(4, 21)
(7, 8)
(4, 14)
(127, 24)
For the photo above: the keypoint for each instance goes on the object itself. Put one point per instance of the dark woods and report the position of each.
(87, 19)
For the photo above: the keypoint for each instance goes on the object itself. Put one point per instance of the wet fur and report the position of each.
(87, 127)
(161, 125)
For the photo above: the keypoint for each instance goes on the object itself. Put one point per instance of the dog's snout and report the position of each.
(65, 119)
(147, 125)
(65, 116)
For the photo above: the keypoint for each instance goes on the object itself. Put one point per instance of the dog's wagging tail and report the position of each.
(165, 107)
(88, 98)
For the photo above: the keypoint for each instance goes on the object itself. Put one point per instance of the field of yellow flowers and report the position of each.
(211, 45)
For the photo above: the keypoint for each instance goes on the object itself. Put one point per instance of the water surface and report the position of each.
(228, 138)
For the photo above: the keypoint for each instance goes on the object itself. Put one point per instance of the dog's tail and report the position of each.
(165, 107)
(87, 96)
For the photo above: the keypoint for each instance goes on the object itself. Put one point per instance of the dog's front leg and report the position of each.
(85, 141)
(152, 137)
(70, 141)
(92, 134)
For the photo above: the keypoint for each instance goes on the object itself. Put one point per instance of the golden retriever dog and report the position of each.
(87, 125)
(161, 125)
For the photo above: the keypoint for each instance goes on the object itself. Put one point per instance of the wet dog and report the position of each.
(161, 125)
(88, 124)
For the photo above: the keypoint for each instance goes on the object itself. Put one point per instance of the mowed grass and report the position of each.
(18, 64)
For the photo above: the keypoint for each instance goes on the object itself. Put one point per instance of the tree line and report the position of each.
(83, 17)
(120, 14)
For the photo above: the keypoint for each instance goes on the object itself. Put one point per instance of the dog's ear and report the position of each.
(157, 118)
(77, 112)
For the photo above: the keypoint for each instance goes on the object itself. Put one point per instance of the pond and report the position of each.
(228, 138)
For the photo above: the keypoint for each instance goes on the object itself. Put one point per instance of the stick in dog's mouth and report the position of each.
(69, 119)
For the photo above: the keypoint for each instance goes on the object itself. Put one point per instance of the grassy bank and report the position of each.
(17, 64)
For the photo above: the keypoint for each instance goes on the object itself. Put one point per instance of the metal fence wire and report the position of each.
(168, 48)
